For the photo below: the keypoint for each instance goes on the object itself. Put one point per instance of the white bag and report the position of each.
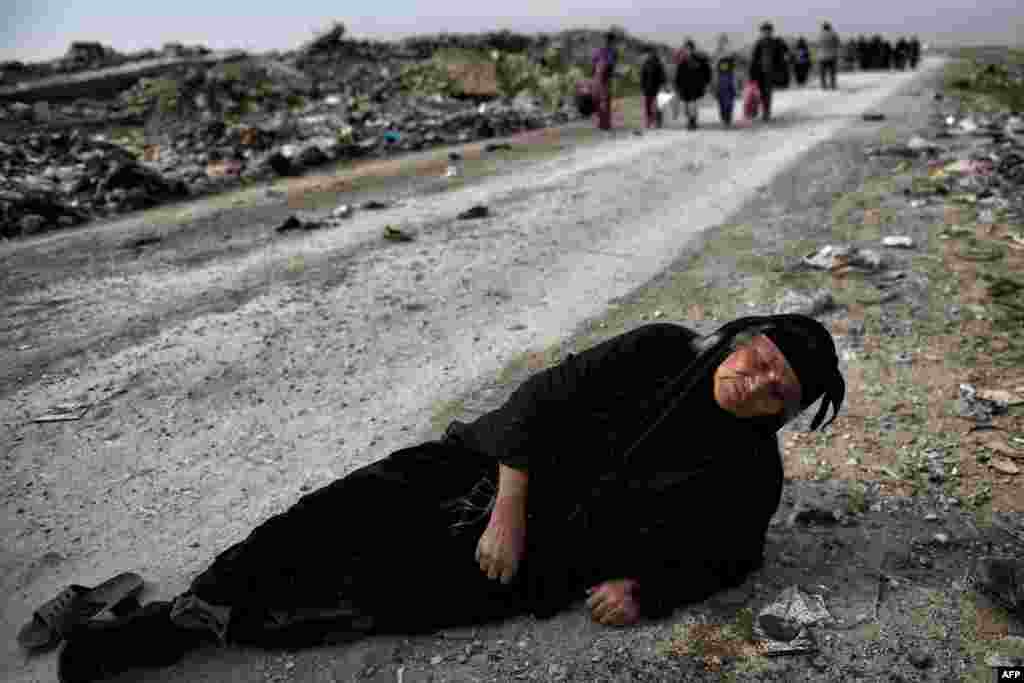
(669, 102)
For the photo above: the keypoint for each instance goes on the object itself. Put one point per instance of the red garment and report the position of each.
(751, 100)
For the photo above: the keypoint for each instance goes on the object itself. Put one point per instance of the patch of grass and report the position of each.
(445, 412)
(856, 493)
(975, 647)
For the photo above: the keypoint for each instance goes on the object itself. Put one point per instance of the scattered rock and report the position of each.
(375, 205)
(810, 514)
(898, 241)
(343, 211)
(812, 304)
(1005, 466)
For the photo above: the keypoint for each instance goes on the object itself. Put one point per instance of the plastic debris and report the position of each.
(968, 125)
(898, 241)
(343, 211)
(790, 615)
(832, 258)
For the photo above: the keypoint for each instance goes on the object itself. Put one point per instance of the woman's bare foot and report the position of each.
(612, 603)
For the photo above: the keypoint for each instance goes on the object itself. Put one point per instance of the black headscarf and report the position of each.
(807, 346)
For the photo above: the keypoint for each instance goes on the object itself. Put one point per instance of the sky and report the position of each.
(36, 30)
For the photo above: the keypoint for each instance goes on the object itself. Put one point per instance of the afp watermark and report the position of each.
(1009, 673)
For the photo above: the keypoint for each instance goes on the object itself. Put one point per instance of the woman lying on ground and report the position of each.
(642, 472)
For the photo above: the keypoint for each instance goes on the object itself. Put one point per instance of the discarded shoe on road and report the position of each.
(55, 619)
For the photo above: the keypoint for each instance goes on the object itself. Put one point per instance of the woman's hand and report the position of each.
(612, 603)
(503, 544)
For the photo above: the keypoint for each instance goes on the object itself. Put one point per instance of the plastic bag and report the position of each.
(668, 102)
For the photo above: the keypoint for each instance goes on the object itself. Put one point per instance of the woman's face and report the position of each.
(756, 381)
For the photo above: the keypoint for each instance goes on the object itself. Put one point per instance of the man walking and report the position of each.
(652, 79)
(766, 62)
(829, 45)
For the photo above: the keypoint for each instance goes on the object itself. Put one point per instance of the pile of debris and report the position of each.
(973, 158)
(212, 124)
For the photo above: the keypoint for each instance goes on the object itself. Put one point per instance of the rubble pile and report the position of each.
(254, 118)
(974, 158)
(55, 180)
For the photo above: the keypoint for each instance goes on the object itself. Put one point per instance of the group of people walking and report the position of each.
(772, 65)
(876, 53)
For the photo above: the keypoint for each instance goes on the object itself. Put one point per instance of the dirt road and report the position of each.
(229, 368)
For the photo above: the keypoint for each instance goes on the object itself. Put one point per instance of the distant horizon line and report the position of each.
(399, 37)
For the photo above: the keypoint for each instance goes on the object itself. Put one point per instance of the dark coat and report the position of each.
(693, 75)
(571, 427)
(631, 464)
(652, 75)
(774, 51)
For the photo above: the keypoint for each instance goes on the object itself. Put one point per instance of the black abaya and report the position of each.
(394, 541)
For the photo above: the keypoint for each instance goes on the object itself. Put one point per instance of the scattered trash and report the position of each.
(478, 211)
(343, 211)
(873, 116)
(374, 205)
(832, 258)
(811, 515)
(972, 406)
(396, 235)
(392, 137)
(793, 610)
(898, 241)
(64, 412)
(452, 171)
(295, 223)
